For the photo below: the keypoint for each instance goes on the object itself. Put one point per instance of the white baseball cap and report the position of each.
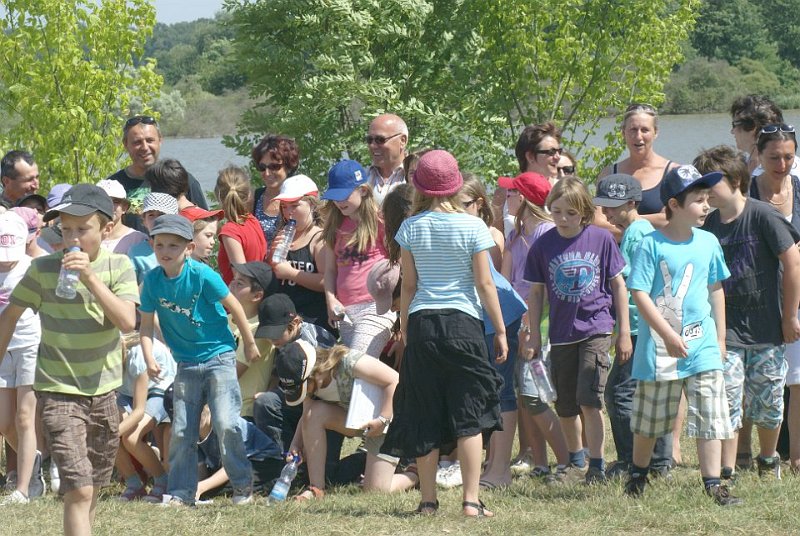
(13, 237)
(296, 187)
(113, 188)
(161, 202)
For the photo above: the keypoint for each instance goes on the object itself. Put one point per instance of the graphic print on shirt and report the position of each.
(350, 256)
(303, 266)
(670, 308)
(185, 311)
(574, 274)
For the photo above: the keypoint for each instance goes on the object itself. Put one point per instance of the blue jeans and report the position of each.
(211, 382)
(619, 404)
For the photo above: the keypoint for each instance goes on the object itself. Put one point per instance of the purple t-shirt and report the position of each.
(577, 273)
(519, 246)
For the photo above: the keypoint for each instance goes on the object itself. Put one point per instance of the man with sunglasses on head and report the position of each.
(141, 138)
(386, 140)
(19, 176)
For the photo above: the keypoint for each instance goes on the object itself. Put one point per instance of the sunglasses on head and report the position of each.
(272, 167)
(772, 129)
(641, 107)
(379, 140)
(140, 119)
(549, 152)
(567, 170)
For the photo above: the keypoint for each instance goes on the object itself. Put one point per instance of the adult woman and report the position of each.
(749, 114)
(276, 157)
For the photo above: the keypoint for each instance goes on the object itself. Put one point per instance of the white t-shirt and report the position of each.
(136, 365)
(124, 243)
(28, 331)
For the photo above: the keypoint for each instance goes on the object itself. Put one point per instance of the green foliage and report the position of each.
(464, 75)
(67, 70)
(728, 29)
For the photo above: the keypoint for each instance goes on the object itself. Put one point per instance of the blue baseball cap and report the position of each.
(684, 177)
(343, 178)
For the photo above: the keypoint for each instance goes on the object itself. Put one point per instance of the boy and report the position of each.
(619, 195)
(141, 254)
(756, 239)
(80, 360)
(189, 298)
(675, 281)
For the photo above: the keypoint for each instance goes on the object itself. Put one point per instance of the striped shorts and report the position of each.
(655, 406)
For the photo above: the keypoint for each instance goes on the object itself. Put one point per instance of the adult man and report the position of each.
(141, 138)
(386, 138)
(19, 175)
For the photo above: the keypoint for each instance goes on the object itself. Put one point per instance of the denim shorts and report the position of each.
(154, 407)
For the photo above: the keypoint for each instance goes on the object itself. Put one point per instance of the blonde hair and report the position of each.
(421, 203)
(366, 234)
(519, 220)
(474, 188)
(316, 207)
(201, 224)
(233, 191)
(329, 358)
(577, 197)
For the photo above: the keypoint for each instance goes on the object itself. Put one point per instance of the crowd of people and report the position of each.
(194, 357)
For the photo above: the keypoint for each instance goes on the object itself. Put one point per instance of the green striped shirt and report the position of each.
(80, 352)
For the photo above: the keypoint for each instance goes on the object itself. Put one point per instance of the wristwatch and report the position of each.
(384, 420)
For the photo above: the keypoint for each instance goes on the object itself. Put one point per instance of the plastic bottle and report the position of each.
(281, 488)
(542, 380)
(67, 280)
(282, 251)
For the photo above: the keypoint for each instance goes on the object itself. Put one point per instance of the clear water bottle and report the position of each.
(282, 251)
(542, 380)
(67, 280)
(281, 488)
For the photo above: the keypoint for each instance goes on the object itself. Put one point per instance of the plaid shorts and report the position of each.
(655, 406)
(754, 378)
(83, 433)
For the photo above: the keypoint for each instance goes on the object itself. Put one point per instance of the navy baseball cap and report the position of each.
(343, 178)
(682, 178)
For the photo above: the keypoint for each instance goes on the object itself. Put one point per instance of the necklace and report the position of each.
(785, 191)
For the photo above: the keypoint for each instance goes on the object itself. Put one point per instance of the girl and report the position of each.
(241, 236)
(122, 238)
(580, 266)
(448, 391)
(205, 237)
(527, 194)
(332, 375)
(301, 276)
(141, 403)
(476, 203)
(354, 240)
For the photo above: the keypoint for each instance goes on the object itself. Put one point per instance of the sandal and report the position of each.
(479, 506)
(427, 508)
(316, 493)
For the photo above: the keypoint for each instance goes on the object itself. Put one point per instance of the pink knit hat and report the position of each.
(437, 174)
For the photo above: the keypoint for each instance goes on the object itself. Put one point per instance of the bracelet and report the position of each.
(384, 420)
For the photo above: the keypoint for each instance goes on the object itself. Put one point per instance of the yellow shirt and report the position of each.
(256, 377)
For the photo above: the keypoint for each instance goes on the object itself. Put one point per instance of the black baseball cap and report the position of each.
(261, 272)
(38, 199)
(616, 190)
(682, 178)
(294, 363)
(82, 200)
(274, 314)
(174, 224)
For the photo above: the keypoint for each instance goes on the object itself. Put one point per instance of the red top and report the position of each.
(250, 236)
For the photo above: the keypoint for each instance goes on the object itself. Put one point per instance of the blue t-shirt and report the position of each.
(443, 245)
(143, 259)
(193, 322)
(690, 267)
(631, 239)
(511, 305)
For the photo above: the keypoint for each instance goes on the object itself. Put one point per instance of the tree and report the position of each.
(69, 78)
(464, 75)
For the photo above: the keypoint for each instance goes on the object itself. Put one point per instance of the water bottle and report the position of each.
(542, 380)
(281, 488)
(67, 280)
(282, 251)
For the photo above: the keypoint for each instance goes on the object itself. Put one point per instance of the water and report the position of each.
(680, 138)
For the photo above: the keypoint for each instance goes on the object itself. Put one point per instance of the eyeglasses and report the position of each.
(379, 140)
(550, 152)
(140, 119)
(566, 170)
(272, 167)
(468, 204)
(736, 123)
(772, 129)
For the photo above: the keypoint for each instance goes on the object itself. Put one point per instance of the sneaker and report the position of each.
(55, 477)
(11, 481)
(242, 500)
(595, 475)
(521, 466)
(17, 497)
(618, 469)
(662, 473)
(636, 484)
(722, 495)
(36, 485)
(557, 477)
(540, 472)
(769, 468)
(744, 462)
(156, 495)
(728, 476)
(172, 502)
(132, 494)
(449, 477)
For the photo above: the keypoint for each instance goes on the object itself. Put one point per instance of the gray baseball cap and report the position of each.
(616, 190)
(174, 224)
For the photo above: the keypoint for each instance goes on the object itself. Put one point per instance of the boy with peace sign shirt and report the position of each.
(675, 281)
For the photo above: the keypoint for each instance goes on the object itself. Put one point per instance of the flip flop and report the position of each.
(479, 506)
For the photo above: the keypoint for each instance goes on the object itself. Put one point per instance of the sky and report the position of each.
(170, 11)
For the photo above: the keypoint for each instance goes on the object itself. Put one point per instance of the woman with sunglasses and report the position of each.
(276, 157)
(779, 184)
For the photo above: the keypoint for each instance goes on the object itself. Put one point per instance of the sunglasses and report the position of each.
(379, 140)
(772, 129)
(140, 120)
(567, 170)
(641, 107)
(272, 167)
(550, 152)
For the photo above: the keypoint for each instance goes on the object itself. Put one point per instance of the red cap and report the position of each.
(532, 186)
(195, 213)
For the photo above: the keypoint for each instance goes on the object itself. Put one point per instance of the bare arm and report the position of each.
(146, 338)
(408, 289)
(659, 220)
(496, 253)
(790, 286)
(535, 308)
(487, 292)
(240, 319)
(8, 321)
(329, 281)
(620, 294)
(234, 249)
(717, 299)
(374, 371)
(131, 421)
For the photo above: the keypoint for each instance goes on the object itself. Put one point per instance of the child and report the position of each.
(353, 234)
(580, 266)
(329, 374)
(205, 237)
(34, 222)
(756, 242)
(476, 203)
(241, 236)
(141, 254)
(141, 403)
(80, 362)
(618, 195)
(18, 366)
(189, 298)
(121, 238)
(448, 391)
(675, 281)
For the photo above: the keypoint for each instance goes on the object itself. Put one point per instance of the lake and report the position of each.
(680, 138)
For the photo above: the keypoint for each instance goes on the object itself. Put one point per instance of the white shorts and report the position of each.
(18, 368)
(792, 354)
